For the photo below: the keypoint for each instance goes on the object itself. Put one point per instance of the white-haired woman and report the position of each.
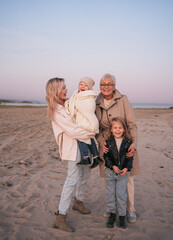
(66, 134)
(111, 103)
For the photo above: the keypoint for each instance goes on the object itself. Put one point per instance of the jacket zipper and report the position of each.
(116, 154)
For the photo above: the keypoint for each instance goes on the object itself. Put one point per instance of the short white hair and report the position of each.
(109, 76)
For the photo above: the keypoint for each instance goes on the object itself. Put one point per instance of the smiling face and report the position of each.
(63, 94)
(107, 87)
(117, 129)
(83, 87)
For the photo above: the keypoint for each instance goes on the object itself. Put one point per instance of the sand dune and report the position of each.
(32, 177)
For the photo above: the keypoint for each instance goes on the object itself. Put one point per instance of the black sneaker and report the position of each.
(122, 222)
(111, 220)
(96, 161)
(84, 162)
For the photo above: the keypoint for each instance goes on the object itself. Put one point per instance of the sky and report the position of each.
(130, 39)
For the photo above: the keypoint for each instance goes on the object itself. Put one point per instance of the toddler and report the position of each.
(81, 107)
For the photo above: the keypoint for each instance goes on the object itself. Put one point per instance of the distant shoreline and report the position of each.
(16, 103)
(44, 106)
(21, 106)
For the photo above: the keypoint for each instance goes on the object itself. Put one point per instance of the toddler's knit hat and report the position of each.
(88, 81)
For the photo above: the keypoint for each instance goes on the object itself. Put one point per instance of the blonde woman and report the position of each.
(66, 134)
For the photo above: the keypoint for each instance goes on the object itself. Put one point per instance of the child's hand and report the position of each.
(116, 170)
(124, 172)
(105, 149)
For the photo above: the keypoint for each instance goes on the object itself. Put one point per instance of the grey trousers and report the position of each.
(116, 191)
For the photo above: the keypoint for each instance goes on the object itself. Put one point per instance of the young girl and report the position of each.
(81, 107)
(66, 134)
(117, 171)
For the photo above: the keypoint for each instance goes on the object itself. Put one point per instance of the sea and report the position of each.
(152, 105)
(23, 104)
(135, 105)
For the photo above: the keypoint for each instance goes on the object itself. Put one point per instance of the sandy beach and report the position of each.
(32, 176)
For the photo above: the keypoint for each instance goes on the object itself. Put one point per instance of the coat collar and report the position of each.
(112, 142)
(100, 99)
(59, 107)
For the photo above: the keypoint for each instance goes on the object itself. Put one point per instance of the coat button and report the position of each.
(110, 115)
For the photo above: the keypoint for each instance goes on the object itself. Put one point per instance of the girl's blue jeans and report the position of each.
(116, 191)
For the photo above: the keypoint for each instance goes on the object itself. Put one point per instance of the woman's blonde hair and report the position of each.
(122, 122)
(53, 89)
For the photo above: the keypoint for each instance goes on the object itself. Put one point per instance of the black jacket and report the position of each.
(115, 158)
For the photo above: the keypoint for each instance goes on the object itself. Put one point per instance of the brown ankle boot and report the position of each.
(79, 206)
(60, 223)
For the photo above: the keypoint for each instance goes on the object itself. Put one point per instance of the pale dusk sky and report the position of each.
(131, 39)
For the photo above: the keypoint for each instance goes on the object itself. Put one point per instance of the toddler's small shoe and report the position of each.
(96, 161)
(84, 162)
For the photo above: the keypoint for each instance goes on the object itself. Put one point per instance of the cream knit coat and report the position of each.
(66, 133)
(81, 107)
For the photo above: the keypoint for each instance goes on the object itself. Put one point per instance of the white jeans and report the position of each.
(130, 194)
(76, 177)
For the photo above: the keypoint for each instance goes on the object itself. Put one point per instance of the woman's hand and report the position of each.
(124, 172)
(105, 149)
(116, 170)
(131, 151)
